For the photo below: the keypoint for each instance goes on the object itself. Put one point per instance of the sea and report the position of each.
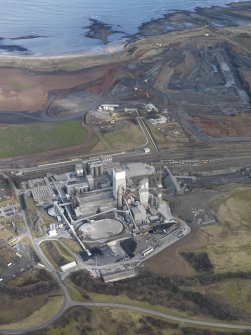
(53, 27)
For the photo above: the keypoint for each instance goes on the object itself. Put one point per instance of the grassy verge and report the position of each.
(56, 253)
(73, 291)
(72, 245)
(45, 217)
(41, 315)
(64, 252)
(39, 137)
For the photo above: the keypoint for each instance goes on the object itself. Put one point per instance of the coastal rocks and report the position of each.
(214, 17)
(101, 31)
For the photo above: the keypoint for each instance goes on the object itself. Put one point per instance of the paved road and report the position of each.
(151, 312)
(167, 316)
(146, 132)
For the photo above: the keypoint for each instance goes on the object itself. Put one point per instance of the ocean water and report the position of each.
(59, 23)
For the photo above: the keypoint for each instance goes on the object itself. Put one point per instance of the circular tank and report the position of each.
(101, 229)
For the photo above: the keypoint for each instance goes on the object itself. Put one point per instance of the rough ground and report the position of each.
(26, 91)
(199, 77)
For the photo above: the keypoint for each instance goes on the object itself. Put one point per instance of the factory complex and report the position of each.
(114, 212)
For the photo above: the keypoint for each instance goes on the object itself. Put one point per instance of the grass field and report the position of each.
(235, 292)
(39, 137)
(35, 313)
(13, 310)
(228, 245)
(17, 140)
(128, 137)
(229, 248)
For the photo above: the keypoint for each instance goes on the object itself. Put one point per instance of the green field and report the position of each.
(229, 248)
(129, 137)
(37, 311)
(38, 137)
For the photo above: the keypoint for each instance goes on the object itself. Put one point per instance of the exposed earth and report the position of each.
(194, 66)
(195, 74)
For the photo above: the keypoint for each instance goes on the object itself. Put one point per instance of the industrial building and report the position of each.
(144, 192)
(53, 230)
(79, 188)
(93, 203)
(112, 208)
(159, 120)
(119, 182)
(79, 170)
(95, 168)
(151, 108)
(108, 107)
(68, 266)
(41, 194)
(90, 182)
(139, 214)
(110, 277)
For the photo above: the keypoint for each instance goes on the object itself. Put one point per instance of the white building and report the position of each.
(109, 108)
(151, 108)
(68, 266)
(53, 230)
(79, 170)
(144, 192)
(119, 181)
(160, 120)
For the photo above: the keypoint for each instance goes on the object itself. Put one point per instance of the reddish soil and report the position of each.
(224, 126)
(21, 90)
(103, 84)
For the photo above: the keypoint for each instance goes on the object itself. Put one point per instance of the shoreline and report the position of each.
(171, 19)
(113, 47)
